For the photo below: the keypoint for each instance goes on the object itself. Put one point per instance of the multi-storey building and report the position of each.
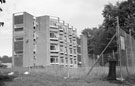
(42, 41)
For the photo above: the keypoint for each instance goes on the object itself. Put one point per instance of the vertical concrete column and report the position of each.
(84, 51)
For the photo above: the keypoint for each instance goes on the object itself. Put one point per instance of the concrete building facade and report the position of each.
(43, 41)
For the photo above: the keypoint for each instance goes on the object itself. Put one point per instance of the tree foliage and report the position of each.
(99, 37)
(126, 13)
(6, 59)
(2, 1)
(94, 36)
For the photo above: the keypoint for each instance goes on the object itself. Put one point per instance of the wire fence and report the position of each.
(125, 61)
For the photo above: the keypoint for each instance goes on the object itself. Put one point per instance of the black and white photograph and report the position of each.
(67, 42)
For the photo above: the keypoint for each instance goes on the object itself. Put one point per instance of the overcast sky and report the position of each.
(78, 13)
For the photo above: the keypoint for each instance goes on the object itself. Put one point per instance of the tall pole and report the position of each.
(131, 45)
(102, 60)
(127, 57)
(119, 46)
(113, 54)
(100, 55)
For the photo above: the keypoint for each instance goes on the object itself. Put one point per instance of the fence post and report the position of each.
(131, 46)
(119, 47)
(102, 60)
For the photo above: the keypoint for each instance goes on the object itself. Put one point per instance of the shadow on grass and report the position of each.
(129, 81)
(5, 78)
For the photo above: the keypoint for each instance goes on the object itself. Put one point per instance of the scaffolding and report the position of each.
(125, 54)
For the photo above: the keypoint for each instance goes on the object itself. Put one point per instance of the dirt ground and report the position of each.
(48, 79)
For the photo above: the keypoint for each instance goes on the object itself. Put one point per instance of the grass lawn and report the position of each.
(58, 77)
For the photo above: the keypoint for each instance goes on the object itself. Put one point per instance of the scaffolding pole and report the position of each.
(131, 45)
(119, 47)
(100, 55)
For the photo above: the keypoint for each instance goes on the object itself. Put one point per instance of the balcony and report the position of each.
(19, 31)
(53, 27)
(18, 25)
(53, 51)
(54, 22)
(55, 30)
(54, 39)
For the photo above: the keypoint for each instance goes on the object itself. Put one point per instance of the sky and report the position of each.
(80, 14)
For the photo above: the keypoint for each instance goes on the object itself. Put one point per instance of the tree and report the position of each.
(125, 11)
(95, 39)
(90, 34)
(99, 37)
(6, 59)
(2, 1)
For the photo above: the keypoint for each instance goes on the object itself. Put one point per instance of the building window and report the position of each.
(18, 19)
(61, 28)
(18, 29)
(75, 61)
(53, 35)
(74, 42)
(71, 60)
(74, 51)
(18, 60)
(70, 31)
(54, 59)
(61, 37)
(61, 48)
(62, 59)
(18, 46)
(66, 50)
(71, 50)
(78, 49)
(65, 38)
(53, 46)
(79, 58)
(66, 60)
(53, 23)
(70, 40)
(78, 41)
